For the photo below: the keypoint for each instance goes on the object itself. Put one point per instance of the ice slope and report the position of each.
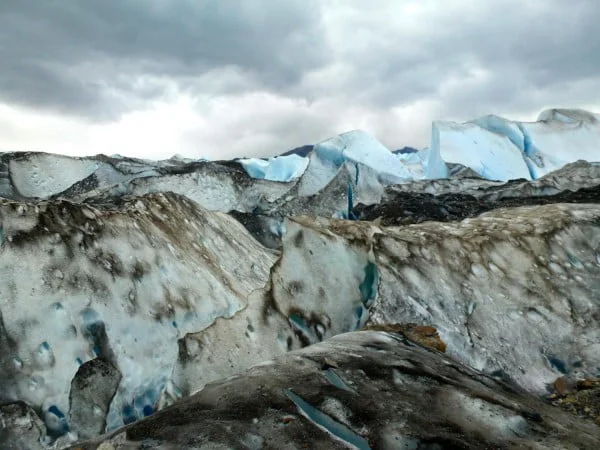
(314, 292)
(360, 147)
(44, 175)
(279, 168)
(177, 297)
(533, 271)
(501, 149)
(362, 390)
(515, 291)
(161, 289)
(123, 284)
(491, 155)
(216, 187)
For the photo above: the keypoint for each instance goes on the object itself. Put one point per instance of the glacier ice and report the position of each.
(403, 396)
(328, 424)
(166, 293)
(118, 283)
(494, 147)
(501, 149)
(491, 155)
(361, 147)
(278, 168)
(363, 151)
(44, 175)
(111, 285)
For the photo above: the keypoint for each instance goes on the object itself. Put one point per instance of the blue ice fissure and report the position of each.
(502, 128)
(325, 422)
(56, 422)
(350, 214)
(57, 412)
(528, 151)
(527, 145)
(128, 414)
(368, 287)
(333, 378)
(299, 323)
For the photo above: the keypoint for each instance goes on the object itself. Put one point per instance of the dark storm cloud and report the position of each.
(86, 57)
(522, 45)
(262, 75)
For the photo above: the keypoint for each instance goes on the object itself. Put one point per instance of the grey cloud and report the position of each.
(533, 60)
(84, 57)
(546, 43)
(99, 59)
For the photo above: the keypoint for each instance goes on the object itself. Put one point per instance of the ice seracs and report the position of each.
(361, 147)
(502, 149)
(362, 154)
(278, 168)
(493, 147)
(358, 147)
(491, 155)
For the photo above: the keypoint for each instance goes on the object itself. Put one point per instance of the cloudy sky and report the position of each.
(225, 78)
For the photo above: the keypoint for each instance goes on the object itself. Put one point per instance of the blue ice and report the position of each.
(279, 168)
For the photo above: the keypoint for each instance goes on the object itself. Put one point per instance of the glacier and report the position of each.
(95, 282)
(279, 168)
(491, 155)
(501, 149)
(354, 146)
(231, 304)
(290, 403)
(493, 147)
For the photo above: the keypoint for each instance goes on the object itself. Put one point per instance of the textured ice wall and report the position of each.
(78, 283)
